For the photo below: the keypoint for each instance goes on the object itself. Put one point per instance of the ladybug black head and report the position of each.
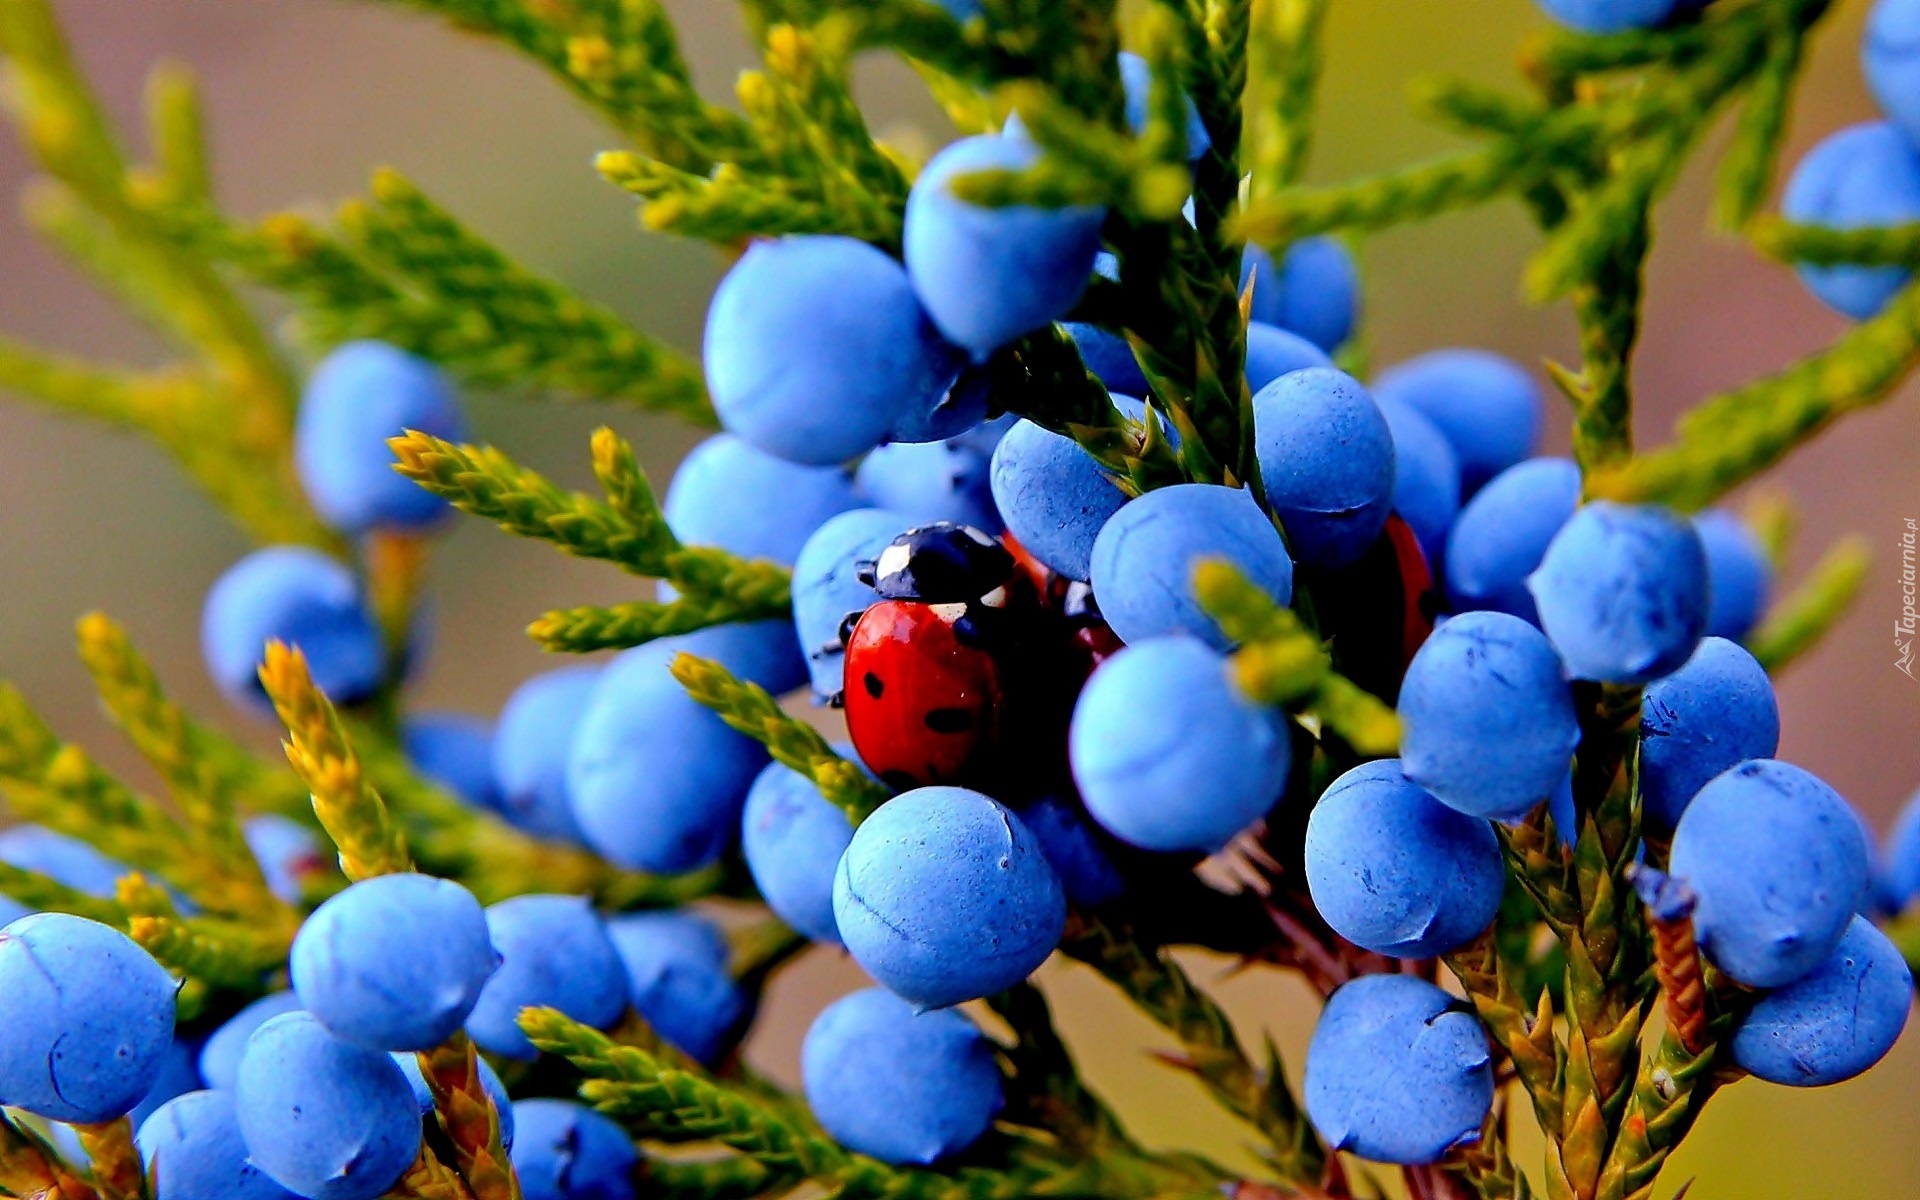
(942, 563)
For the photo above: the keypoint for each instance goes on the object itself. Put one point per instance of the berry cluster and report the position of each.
(1152, 617)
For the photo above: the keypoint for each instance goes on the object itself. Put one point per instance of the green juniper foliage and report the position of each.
(1566, 981)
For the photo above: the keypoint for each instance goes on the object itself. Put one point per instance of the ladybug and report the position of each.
(1388, 592)
(952, 674)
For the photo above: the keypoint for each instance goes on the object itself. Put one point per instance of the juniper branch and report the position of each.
(1798, 621)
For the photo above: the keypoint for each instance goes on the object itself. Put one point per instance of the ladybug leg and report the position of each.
(866, 570)
(844, 633)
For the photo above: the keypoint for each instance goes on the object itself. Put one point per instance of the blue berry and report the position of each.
(1890, 52)
(490, 1083)
(324, 1118)
(826, 587)
(289, 853)
(1487, 716)
(792, 839)
(1714, 713)
(563, 1151)
(1053, 496)
(220, 1055)
(1900, 860)
(530, 746)
(1088, 874)
(1109, 356)
(1622, 592)
(179, 1074)
(359, 396)
(63, 859)
(1326, 462)
(902, 1086)
(816, 349)
(1397, 872)
(1315, 293)
(943, 896)
(192, 1150)
(1143, 561)
(1609, 16)
(1273, 352)
(932, 481)
(1136, 76)
(1501, 535)
(990, 275)
(554, 953)
(395, 962)
(1397, 1071)
(296, 595)
(1739, 574)
(455, 751)
(728, 494)
(677, 973)
(1488, 408)
(960, 411)
(1426, 479)
(89, 1019)
(1834, 1022)
(1780, 865)
(12, 910)
(1167, 752)
(656, 778)
(1863, 176)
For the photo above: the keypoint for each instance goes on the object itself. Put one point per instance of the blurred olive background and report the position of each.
(307, 95)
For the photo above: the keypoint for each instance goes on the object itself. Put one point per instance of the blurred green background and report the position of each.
(307, 95)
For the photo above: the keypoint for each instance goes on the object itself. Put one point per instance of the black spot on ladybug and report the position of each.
(874, 684)
(949, 720)
(899, 781)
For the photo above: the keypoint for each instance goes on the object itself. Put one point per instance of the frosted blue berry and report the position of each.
(1397, 872)
(1053, 496)
(1739, 574)
(1609, 16)
(1397, 1071)
(1169, 754)
(295, 595)
(564, 1151)
(1501, 535)
(656, 778)
(677, 972)
(179, 1074)
(1488, 408)
(932, 481)
(1088, 874)
(1487, 716)
(12, 910)
(1143, 561)
(220, 1055)
(728, 494)
(1622, 592)
(902, 1086)
(1900, 858)
(1109, 356)
(192, 1150)
(1834, 1022)
(1326, 463)
(816, 348)
(395, 962)
(490, 1083)
(961, 410)
(943, 896)
(89, 1019)
(1315, 293)
(990, 275)
(1715, 712)
(1890, 52)
(1426, 478)
(324, 1118)
(1273, 352)
(359, 396)
(65, 860)
(1780, 865)
(455, 751)
(554, 953)
(792, 839)
(826, 587)
(530, 745)
(288, 851)
(1863, 176)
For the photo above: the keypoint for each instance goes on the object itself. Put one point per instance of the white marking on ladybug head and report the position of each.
(949, 613)
(977, 535)
(892, 561)
(997, 598)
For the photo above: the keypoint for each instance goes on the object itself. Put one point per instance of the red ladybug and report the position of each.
(1388, 592)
